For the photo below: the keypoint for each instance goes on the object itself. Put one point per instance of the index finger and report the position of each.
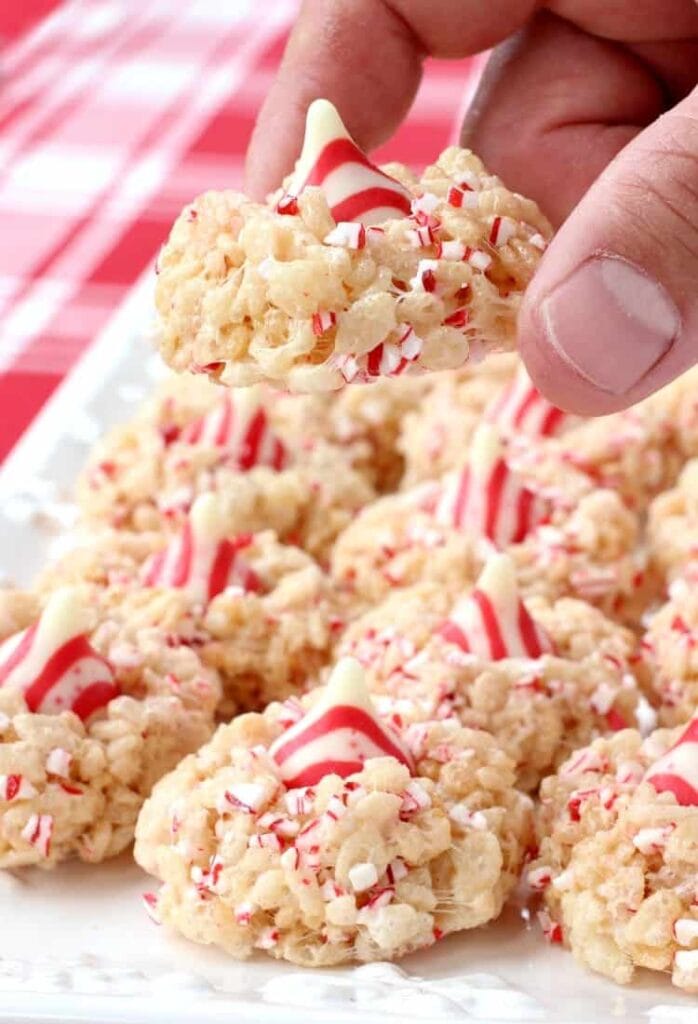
(365, 56)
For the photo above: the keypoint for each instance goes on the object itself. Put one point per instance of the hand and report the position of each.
(588, 106)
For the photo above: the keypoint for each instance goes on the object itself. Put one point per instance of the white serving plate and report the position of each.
(76, 944)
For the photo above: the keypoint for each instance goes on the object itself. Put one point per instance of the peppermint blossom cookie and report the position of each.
(83, 739)
(498, 391)
(542, 679)
(618, 861)
(672, 527)
(670, 654)
(352, 273)
(565, 538)
(261, 613)
(146, 474)
(317, 834)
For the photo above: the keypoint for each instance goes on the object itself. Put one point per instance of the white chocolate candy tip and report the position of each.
(485, 449)
(498, 580)
(65, 615)
(322, 125)
(347, 685)
(206, 517)
(356, 190)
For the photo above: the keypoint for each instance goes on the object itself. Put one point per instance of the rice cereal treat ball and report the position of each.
(146, 474)
(673, 527)
(354, 273)
(327, 840)
(365, 421)
(436, 435)
(637, 453)
(618, 861)
(565, 538)
(83, 740)
(261, 613)
(542, 679)
(670, 654)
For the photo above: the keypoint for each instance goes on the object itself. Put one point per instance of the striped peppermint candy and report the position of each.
(392, 358)
(521, 409)
(677, 771)
(53, 662)
(239, 423)
(487, 498)
(355, 189)
(338, 735)
(492, 622)
(203, 559)
(38, 831)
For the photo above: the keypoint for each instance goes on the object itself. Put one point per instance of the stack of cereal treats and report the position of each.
(353, 665)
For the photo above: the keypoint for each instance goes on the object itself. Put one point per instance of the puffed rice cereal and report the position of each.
(83, 738)
(326, 284)
(316, 834)
(618, 861)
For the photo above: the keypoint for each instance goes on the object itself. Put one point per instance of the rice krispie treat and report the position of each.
(83, 738)
(542, 679)
(438, 433)
(565, 537)
(637, 453)
(319, 835)
(263, 614)
(365, 421)
(146, 474)
(670, 654)
(618, 861)
(353, 273)
(672, 527)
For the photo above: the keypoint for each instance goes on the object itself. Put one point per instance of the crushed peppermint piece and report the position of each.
(363, 876)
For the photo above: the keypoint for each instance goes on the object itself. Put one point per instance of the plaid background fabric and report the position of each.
(113, 114)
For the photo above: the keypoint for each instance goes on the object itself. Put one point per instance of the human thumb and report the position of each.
(612, 312)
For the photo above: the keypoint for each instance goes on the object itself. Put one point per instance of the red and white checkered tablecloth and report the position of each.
(113, 114)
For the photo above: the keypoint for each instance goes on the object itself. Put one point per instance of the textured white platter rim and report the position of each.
(75, 943)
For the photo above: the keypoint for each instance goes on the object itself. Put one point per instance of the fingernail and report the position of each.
(610, 322)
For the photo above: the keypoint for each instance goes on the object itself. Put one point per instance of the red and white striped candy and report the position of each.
(203, 560)
(391, 358)
(488, 499)
(338, 734)
(492, 622)
(38, 831)
(239, 423)
(15, 787)
(502, 230)
(521, 409)
(54, 664)
(355, 189)
(677, 771)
